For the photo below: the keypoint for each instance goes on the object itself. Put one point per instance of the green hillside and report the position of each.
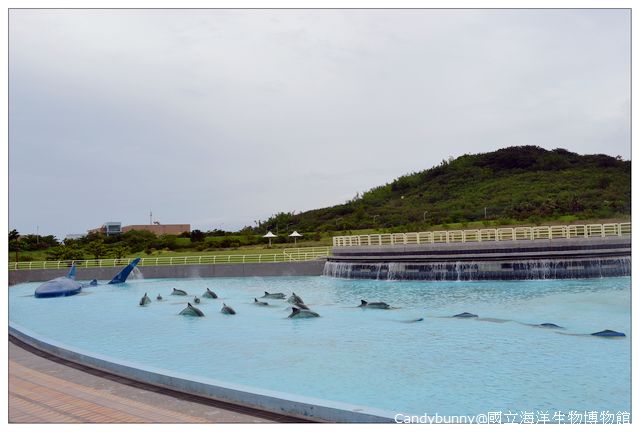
(513, 184)
(516, 185)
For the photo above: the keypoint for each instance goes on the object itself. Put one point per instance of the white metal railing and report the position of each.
(486, 234)
(287, 255)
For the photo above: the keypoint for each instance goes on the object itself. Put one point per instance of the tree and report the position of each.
(168, 241)
(138, 240)
(66, 253)
(197, 236)
(32, 242)
(118, 251)
(14, 235)
(97, 249)
(14, 242)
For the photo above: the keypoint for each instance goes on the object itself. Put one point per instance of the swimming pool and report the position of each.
(375, 358)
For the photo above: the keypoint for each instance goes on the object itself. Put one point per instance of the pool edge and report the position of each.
(275, 402)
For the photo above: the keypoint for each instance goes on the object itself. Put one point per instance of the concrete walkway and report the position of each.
(44, 389)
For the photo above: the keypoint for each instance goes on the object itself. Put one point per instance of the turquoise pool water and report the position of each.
(367, 357)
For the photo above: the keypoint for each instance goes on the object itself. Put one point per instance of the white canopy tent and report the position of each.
(295, 236)
(269, 235)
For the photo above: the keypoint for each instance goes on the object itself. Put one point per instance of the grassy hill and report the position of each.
(512, 184)
(515, 185)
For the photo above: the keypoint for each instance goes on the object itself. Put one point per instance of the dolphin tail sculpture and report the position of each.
(124, 273)
(72, 272)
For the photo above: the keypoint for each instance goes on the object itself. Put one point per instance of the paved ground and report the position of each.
(43, 389)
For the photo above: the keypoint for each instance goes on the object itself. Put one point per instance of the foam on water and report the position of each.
(136, 273)
(368, 357)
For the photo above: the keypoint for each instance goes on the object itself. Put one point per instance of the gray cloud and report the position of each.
(217, 117)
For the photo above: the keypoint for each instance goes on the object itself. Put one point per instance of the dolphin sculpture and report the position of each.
(191, 311)
(300, 306)
(124, 273)
(178, 292)
(465, 315)
(145, 300)
(196, 299)
(259, 303)
(210, 294)
(274, 295)
(608, 333)
(375, 305)
(414, 320)
(159, 297)
(227, 310)
(68, 286)
(300, 313)
(550, 325)
(293, 299)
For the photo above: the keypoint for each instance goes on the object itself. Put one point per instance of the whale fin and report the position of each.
(124, 273)
(72, 272)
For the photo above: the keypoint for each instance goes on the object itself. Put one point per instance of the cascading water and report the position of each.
(482, 270)
(136, 273)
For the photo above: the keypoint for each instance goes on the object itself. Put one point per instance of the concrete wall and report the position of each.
(306, 268)
(488, 260)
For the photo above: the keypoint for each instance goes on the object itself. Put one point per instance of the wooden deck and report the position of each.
(45, 398)
(46, 390)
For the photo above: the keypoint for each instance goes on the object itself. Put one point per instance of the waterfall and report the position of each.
(136, 273)
(483, 270)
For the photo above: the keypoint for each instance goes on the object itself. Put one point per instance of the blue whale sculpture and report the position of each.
(68, 286)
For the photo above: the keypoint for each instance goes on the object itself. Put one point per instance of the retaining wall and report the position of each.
(305, 268)
(488, 250)
(490, 260)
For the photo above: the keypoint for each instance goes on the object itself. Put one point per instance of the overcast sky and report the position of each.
(219, 118)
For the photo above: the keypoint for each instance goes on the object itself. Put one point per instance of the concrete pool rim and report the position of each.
(302, 407)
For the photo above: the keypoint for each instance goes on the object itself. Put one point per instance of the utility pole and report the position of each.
(150, 218)
(485, 212)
